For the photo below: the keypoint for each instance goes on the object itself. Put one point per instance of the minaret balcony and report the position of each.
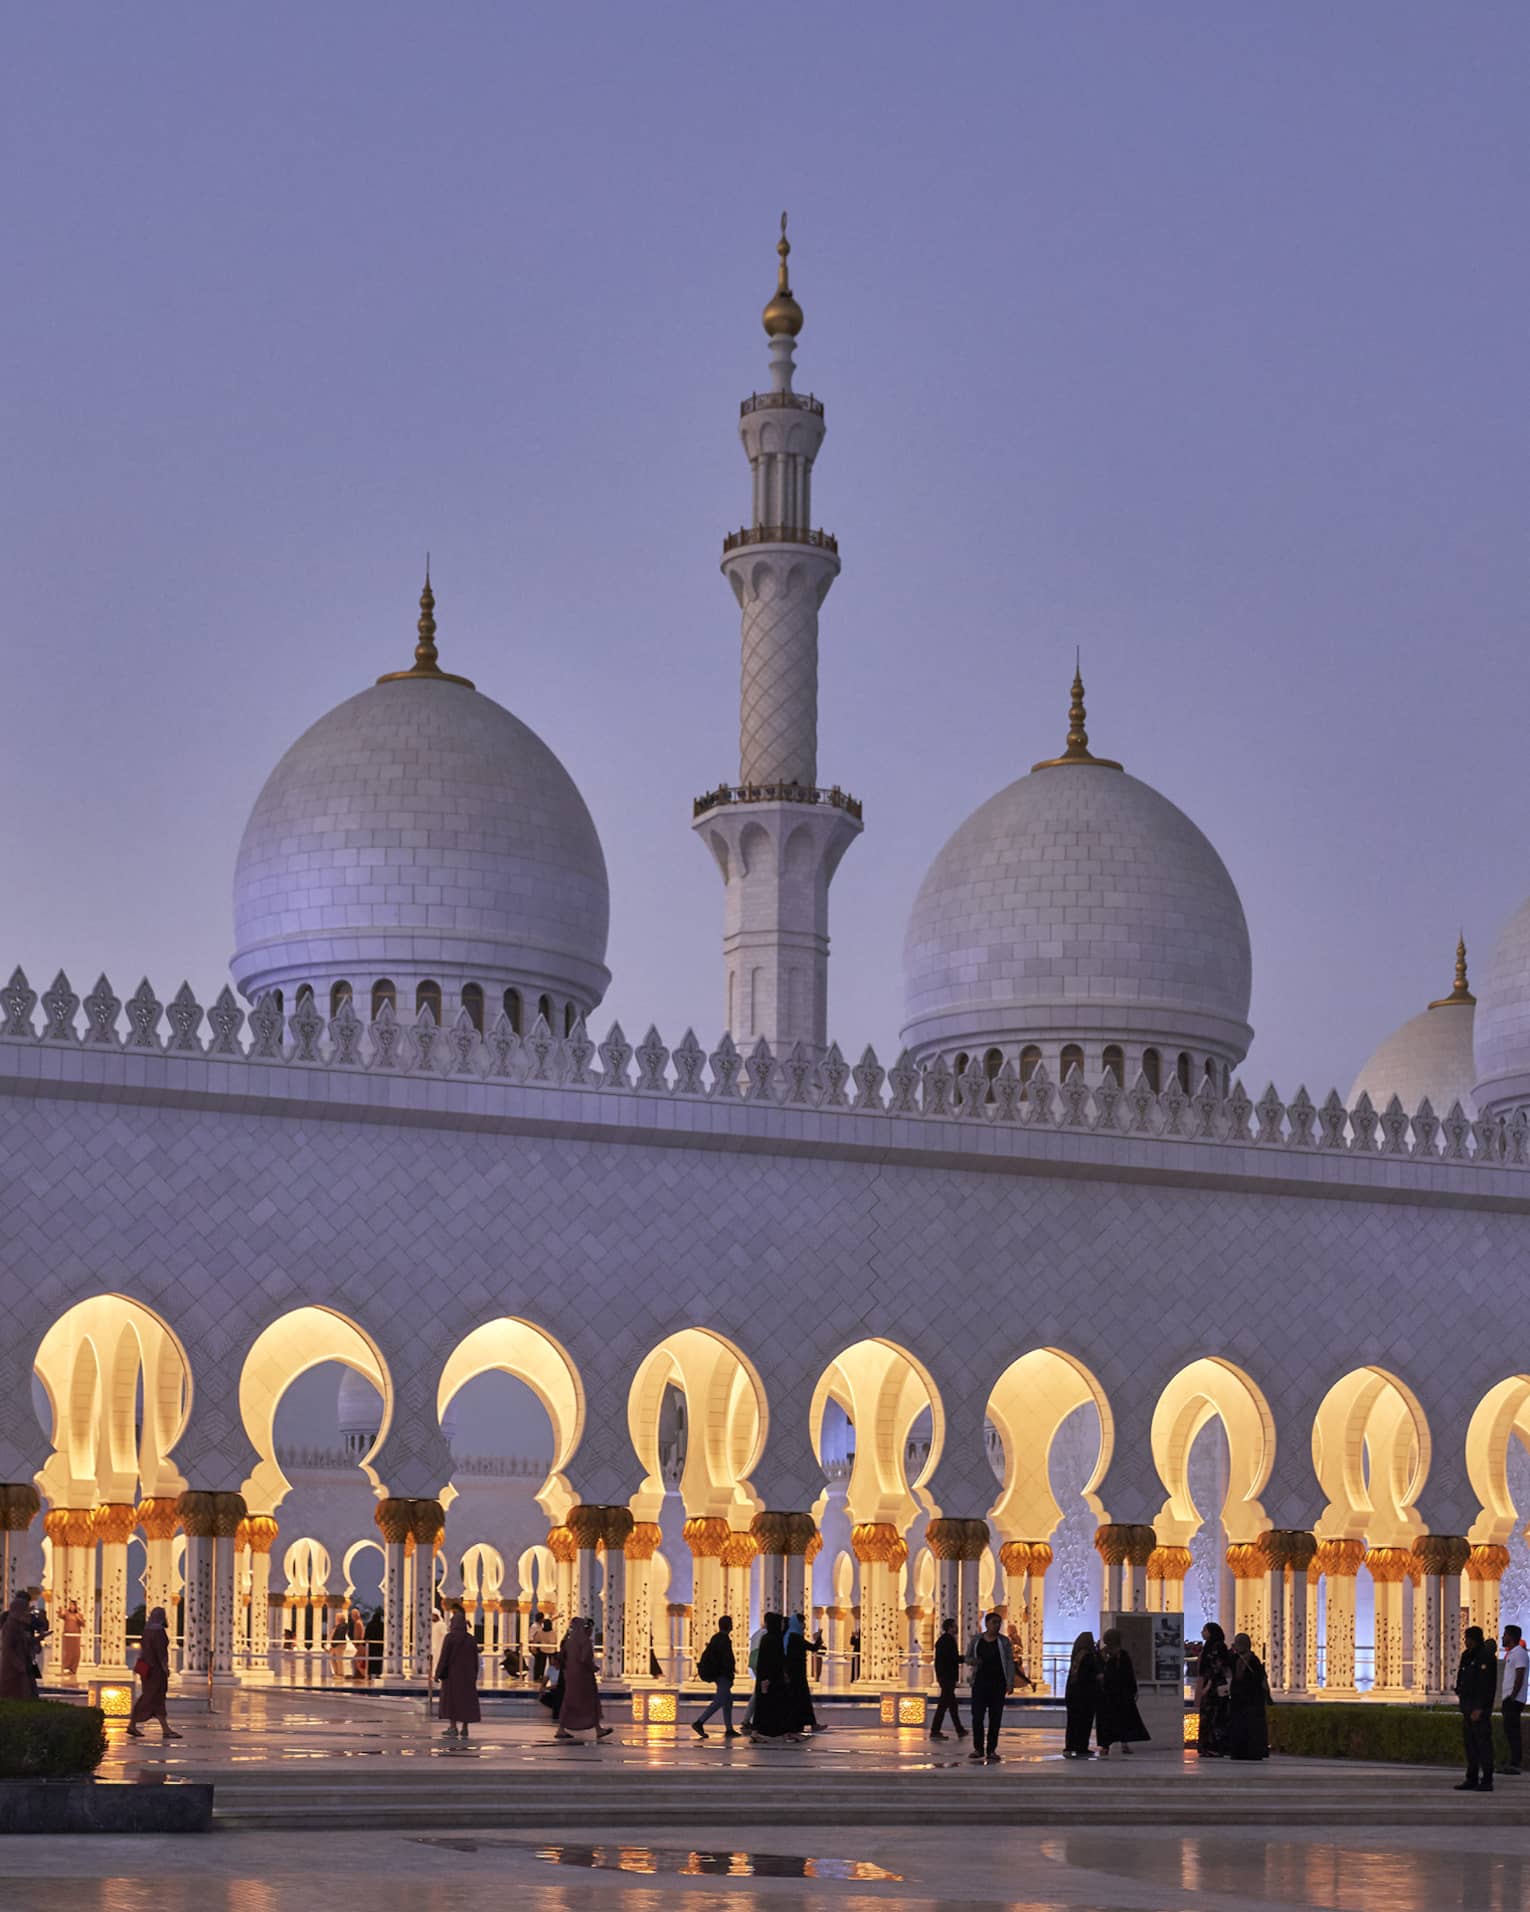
(836, 798)
(779, 534)
(781, 402)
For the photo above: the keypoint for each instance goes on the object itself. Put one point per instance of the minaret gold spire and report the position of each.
(783, 315)
(425, 664)
(1077, 750)
(1461, 995)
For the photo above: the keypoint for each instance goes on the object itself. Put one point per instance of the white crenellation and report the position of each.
(545, 1060)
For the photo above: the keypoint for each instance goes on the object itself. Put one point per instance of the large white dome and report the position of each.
(1079, 907)
(420, 833)
(1502, 1034)
(1430, 1055)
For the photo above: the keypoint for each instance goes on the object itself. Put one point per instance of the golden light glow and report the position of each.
(116, 1702)
(655, 1706)
(1192, 1729)
(903, 1709)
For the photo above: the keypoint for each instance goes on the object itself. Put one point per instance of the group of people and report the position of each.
(356, 1645)
(567, 1684)
(1100, 1698)
(1482, 1680)
(780, 1706)
(1232, 1693)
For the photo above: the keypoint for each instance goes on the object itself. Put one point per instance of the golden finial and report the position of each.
(1461, 995)
(1077, 750)
(425, 664)
(783, 315)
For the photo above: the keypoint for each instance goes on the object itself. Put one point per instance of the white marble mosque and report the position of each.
(1039, 1307)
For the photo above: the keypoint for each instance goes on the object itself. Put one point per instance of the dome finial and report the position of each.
(1077, 750)
(425, 656)
(1461, 994)
(783, 316)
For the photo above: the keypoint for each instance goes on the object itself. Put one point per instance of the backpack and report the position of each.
(706, 1666)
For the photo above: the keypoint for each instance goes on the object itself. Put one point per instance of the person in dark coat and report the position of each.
(993, 1680)
(17, 1681)
(153, 1677)
(772, 1711)
(1213, 1690)
(1081, 1696)
(1248, 1722)
(375, 1628)
(717, 1664)
(948, 1670)
(579, 1707)
(1117, 1722)
(457, 1671)
(1476, 1690)
(795, 1646)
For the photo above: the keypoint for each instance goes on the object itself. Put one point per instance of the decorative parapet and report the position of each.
(336, 1460)
(781, 402)
(779, 534)
(777, 793)
(345, 1045)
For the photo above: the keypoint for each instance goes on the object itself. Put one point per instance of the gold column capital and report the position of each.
(706, 1535)
(20, 1504)
(1487, 1563)
(643, 1542)
(790, 1534)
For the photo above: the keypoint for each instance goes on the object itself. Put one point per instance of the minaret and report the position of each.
(776, 836)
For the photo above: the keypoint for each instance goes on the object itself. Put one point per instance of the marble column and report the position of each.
(738, 1557)
(72, 1533)
(1166, 1571)
(113, 1523)
(587, 1523)
(211, 1521)
(705, 1536)
(1485, 1569)
(640, 1547)
(1250, 1571)
(679, 1614)
(1287, 1552)
(559, 1610)
(1339, 1562)
(1442, 1556)
(394, 1518)
(262, 1532)
(837, 1640)
(427, 1525)
(20, 1504)
(782, 1540)
(157, 1521)
(958, 1546)
(617, 1530)
(881, 1551)
(1388, 1569)
(1125, 1548)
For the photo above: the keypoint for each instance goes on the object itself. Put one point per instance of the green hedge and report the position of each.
(1404, 1735)
(43, 1739)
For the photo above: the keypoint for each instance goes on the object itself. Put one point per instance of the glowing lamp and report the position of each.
(115, 1701)
(655, 1706)
(1192, 1729)
(903, 1709)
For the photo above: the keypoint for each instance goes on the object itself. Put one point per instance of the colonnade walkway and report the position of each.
(295, 1760)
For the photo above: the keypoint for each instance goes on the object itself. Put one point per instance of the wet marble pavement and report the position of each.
(918, 1869)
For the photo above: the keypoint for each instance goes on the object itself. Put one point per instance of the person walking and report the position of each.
(541, 1641)
(1476, 1689)
(1081, 1696)
(153, 1670)
(339, 1646)
(1213, 1689)
(993, 1680)
(799, 1692)
(1516, 1677)
(73, 1628)
(1248, 1699)
(771, 1710)
(948, 1669)
(580, 1706)
(718, 1665)
(457, 1674)
(18, 1681)
(755, 1640)
(1117, 1722)
(376, 1627)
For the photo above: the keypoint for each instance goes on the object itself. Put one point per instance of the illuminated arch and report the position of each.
(510, 1345)
(1030, 1401)
(1207, 1388)
(1370, 1451)
(1502, 1416)
(726, 1425)
(883, 1391)
(305, 1338)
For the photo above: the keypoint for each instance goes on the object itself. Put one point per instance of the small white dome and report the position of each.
(420, 830)
(1078, 903)
(1502, 1035)
(358, 1405)
(1430, 1055)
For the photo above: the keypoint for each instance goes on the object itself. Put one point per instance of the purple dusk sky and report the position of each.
(1191, 334)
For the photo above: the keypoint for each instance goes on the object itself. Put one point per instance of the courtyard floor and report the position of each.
(352, 1802)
